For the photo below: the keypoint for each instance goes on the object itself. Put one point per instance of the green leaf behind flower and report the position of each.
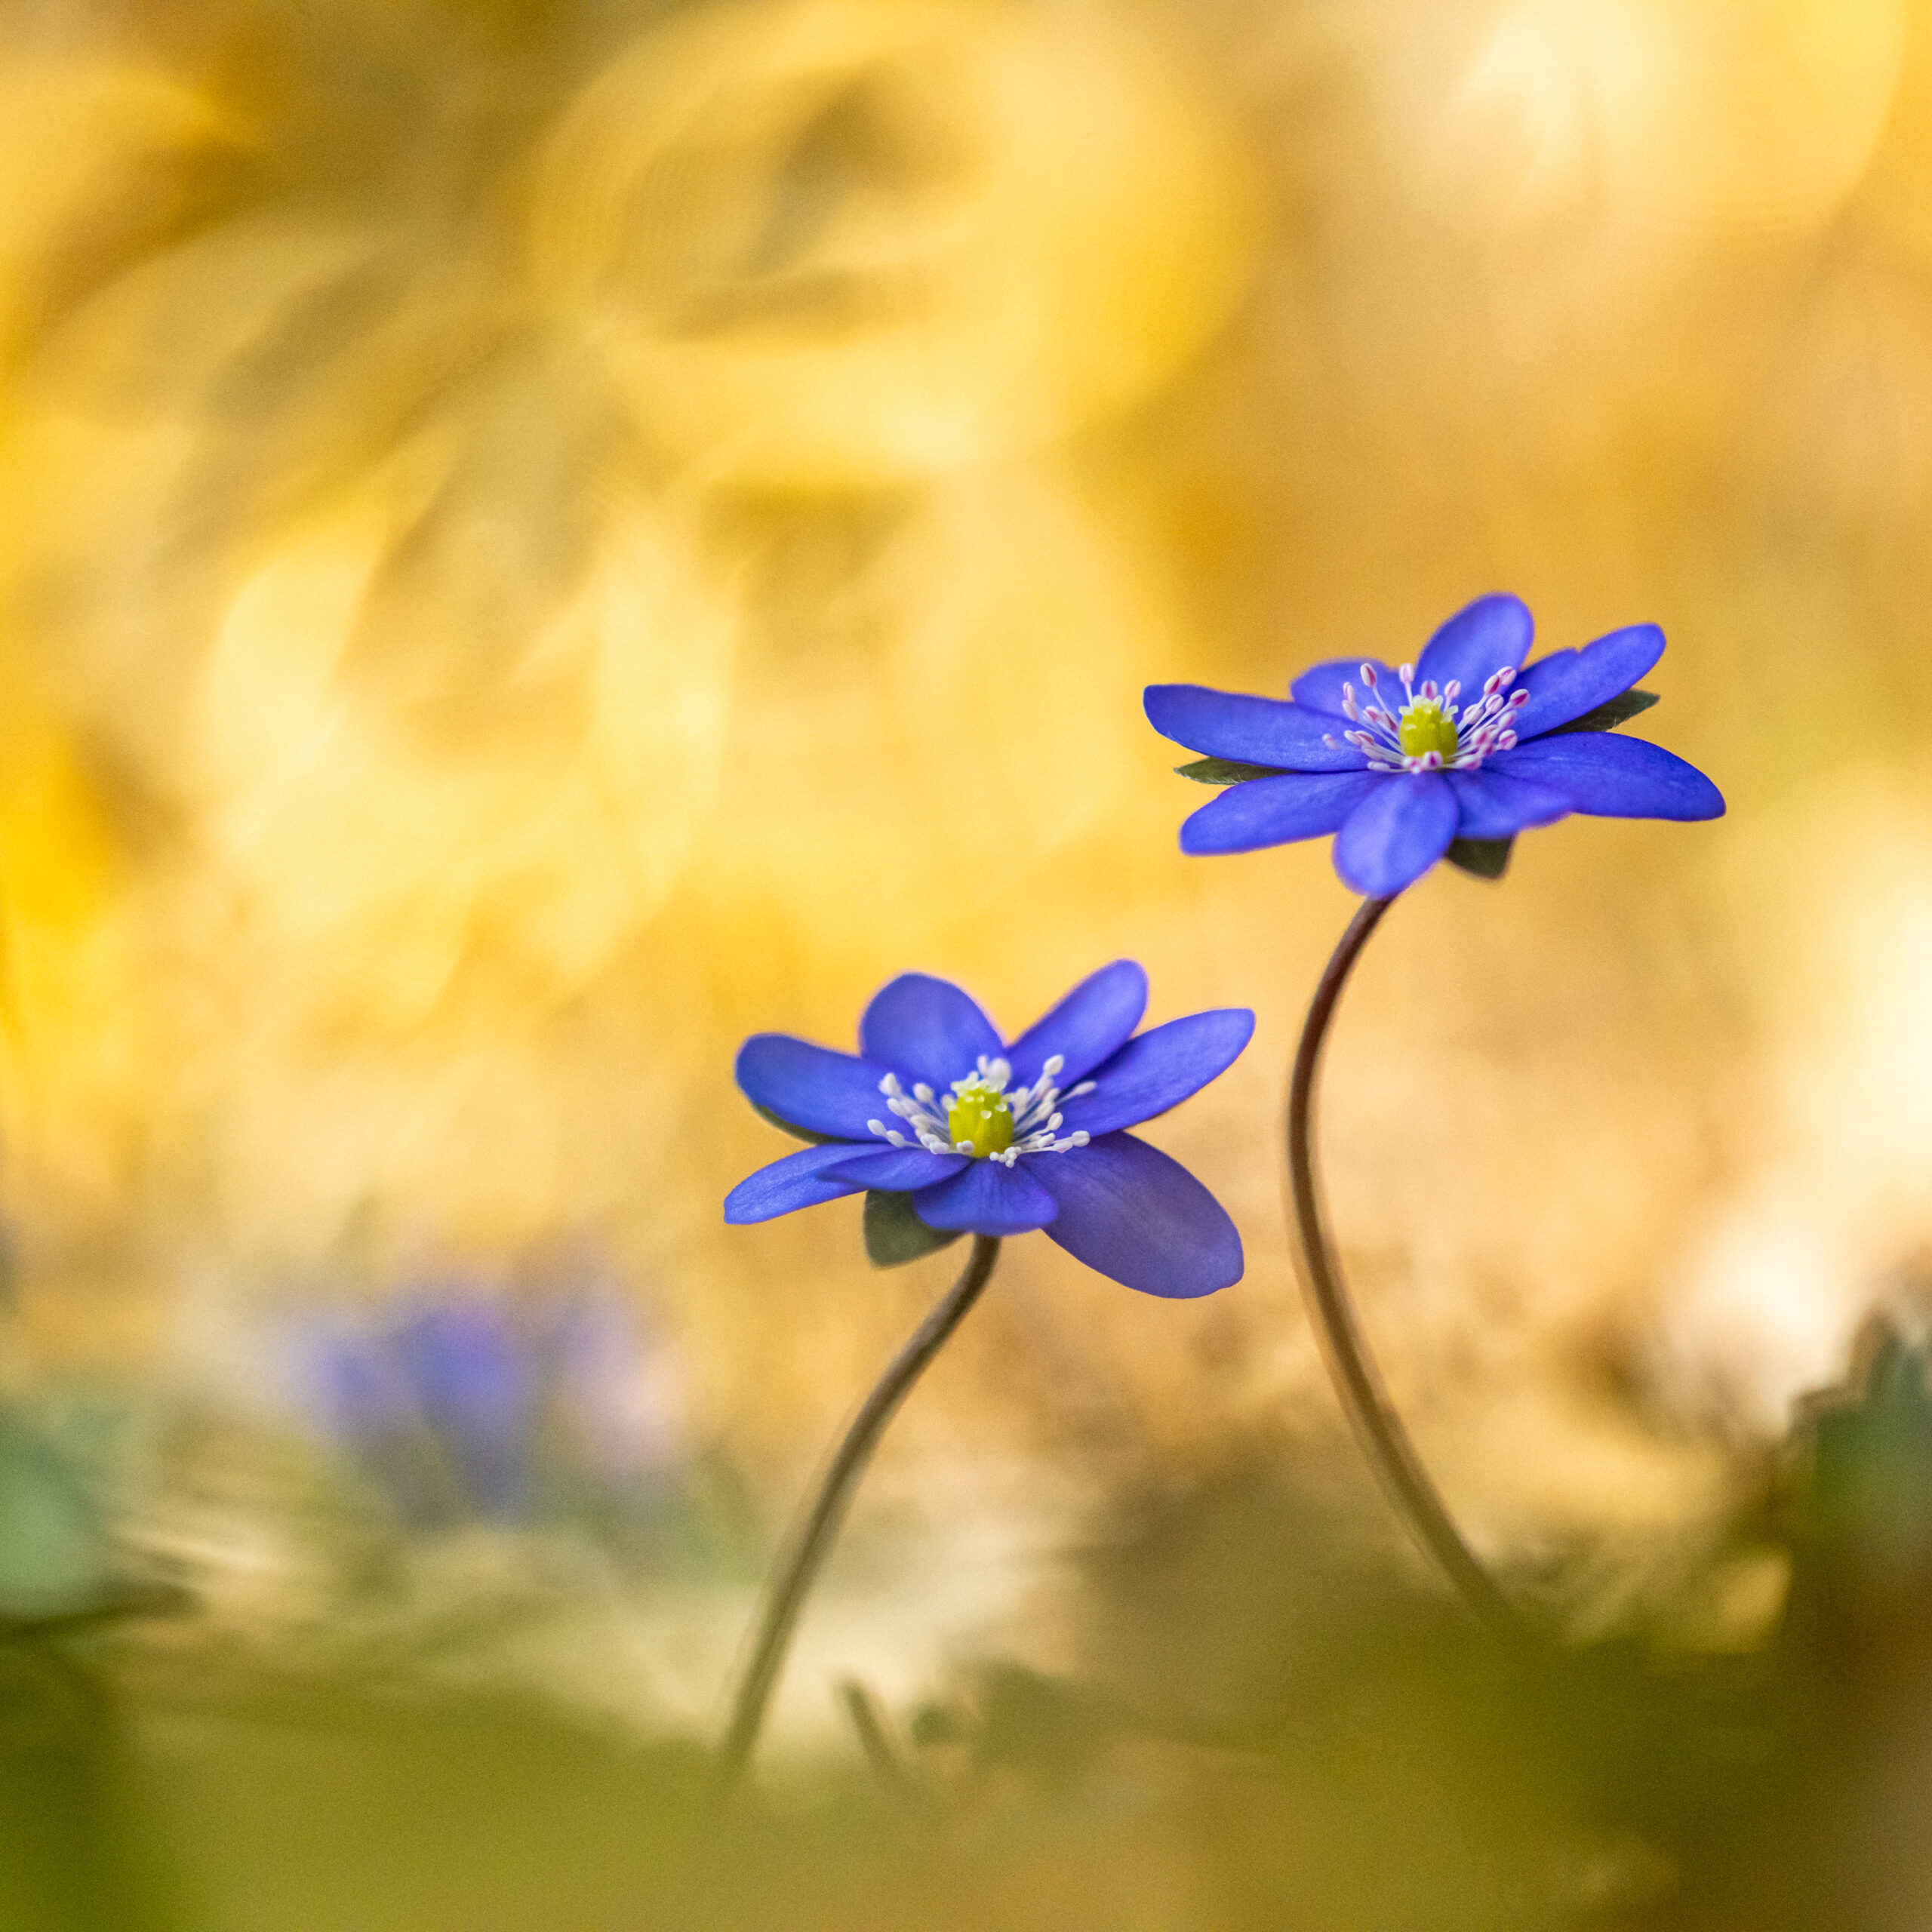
(1614, 711)
(895, 1235)
(1480, 858)
(1226, 771)
(1861, 1509)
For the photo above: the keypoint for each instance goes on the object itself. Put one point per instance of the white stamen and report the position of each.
(1035, 1110)
(1483, 727)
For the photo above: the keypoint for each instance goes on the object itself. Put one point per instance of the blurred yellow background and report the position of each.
(536, 541)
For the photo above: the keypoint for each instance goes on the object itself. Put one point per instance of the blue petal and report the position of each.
(1160, 1069)
(899, 1170)
(1258, 731)
(1276, 811)
(928, 1029)
(1129, 1211)
(811, 1087)
(1319, 687)
(1611, 777)
(1568, 683)
(1490, 804)
(1478, 640)
(799, 1180)
(1396, 833)
(1086, 1026)
(988, 1198)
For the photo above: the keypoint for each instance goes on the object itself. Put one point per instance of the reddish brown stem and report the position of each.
(1351, 1364)
(813, 1538)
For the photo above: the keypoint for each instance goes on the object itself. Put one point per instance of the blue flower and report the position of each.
(461, 1404)
(990, 1138)
(1466, 744)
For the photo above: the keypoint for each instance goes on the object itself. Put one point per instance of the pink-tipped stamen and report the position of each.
(1482, 730)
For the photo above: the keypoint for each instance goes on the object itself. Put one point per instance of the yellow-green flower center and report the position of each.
(1423, 728)
(980, 1117)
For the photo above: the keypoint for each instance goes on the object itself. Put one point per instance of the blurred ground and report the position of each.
(536, 541)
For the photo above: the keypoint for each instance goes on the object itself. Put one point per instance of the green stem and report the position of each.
(792, 1580)
(1351, 1365)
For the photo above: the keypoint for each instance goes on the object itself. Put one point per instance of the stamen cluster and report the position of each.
(1034, 1109)
(1487, 726)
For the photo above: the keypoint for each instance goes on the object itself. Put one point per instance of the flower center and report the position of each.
(1424, 726)
(1428, 732)
(980, 1117)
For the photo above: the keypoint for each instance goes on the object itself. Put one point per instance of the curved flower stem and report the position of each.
(812, 1539)
(1357, 1380)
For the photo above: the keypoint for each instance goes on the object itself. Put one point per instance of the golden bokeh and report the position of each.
(536, 542)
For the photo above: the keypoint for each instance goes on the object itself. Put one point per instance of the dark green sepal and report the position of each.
(1612, 712)
(1226, 771)
(797, 1132)
(1480, 858)
(895, 1235)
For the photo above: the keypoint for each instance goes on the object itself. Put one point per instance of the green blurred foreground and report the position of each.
(1276, 1728)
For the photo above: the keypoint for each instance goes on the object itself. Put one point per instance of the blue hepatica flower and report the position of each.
(460, 1403)
(1466, 744)
(985, 1138)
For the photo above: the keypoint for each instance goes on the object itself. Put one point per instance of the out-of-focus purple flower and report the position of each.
(474, 1377)
(1466, 744)
(462, 1403)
